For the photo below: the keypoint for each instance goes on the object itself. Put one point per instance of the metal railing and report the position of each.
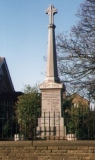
(79, 123)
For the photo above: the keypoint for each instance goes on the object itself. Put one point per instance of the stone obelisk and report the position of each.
(51, 122)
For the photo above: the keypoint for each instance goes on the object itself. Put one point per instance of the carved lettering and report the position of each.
(51, 101)
(51, 85)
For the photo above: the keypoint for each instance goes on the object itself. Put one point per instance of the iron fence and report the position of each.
(80, 121)
(77, 124)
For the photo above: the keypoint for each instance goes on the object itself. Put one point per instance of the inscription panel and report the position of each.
(51, 101)
(51, 85)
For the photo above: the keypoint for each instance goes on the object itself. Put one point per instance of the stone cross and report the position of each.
(51, 11)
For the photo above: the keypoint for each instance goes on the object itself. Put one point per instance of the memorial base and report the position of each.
(51, 123)
(51, 132)
(51, 128)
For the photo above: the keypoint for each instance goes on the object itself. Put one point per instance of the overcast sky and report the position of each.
(24, 35)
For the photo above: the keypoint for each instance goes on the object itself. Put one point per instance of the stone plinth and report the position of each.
(51, 122)
(51, 97)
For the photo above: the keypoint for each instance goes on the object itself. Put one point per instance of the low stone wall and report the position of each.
(47, 150)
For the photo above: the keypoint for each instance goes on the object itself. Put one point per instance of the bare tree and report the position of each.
(76, 51)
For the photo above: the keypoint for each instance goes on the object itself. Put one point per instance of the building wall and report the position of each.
(47, 150)
(80, 100)
(77, 100)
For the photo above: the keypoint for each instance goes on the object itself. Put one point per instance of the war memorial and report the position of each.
(51, 122)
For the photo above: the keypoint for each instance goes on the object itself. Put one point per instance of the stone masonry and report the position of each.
(51, 123)
(47, 150)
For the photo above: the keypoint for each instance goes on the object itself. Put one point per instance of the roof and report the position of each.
(1, 60)
(4, 66)
(76, 98)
